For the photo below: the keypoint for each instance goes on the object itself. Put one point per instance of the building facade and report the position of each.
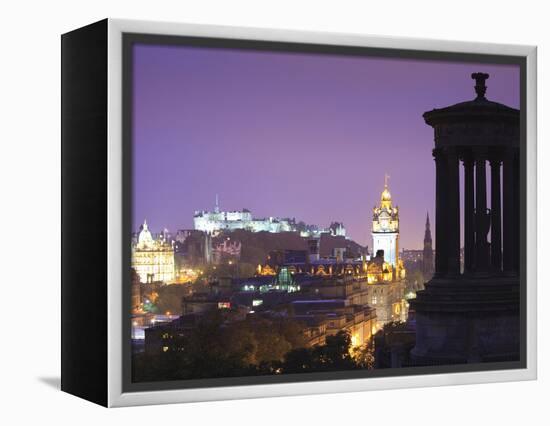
(337, 229)
(153, 259)
(136, 293)
(227, 249)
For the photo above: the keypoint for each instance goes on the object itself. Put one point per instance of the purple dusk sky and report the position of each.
(291, 135)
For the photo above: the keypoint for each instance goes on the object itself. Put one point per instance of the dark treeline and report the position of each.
(215, 348)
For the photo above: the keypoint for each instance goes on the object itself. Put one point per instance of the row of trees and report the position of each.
(335, 355)
(215, 348)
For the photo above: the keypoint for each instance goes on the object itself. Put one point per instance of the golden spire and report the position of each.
(386, 195)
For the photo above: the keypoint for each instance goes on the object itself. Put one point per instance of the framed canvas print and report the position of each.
(251, 212)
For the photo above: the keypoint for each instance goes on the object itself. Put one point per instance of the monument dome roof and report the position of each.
(479, 108)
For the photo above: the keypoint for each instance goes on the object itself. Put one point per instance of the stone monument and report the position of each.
(470, 313)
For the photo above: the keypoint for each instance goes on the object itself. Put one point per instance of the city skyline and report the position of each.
(291, 135)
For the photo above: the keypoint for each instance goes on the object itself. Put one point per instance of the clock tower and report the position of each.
(385, 227)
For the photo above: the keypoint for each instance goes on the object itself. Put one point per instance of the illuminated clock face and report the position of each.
(384, 222)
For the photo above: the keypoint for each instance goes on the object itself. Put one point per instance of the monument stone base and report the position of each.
(467, 320)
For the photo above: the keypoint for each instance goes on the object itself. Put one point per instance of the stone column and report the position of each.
(469, 229)
(453, 213)
(509, 221)
(482, 217)
(517, 202)
(496, 232)
(440, 213)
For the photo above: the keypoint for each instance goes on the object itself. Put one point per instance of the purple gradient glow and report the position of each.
(291, 135)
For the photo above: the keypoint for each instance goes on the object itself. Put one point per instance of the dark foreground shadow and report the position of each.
(54, 382)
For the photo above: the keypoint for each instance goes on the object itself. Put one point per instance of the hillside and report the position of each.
(257, 245)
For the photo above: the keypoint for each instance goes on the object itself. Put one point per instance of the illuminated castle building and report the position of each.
(216, 221)
(153, 260)
(385, 227)
(213, 222)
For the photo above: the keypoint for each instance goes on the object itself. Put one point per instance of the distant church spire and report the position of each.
(427, 232)
(217, 207)
(428, 253)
